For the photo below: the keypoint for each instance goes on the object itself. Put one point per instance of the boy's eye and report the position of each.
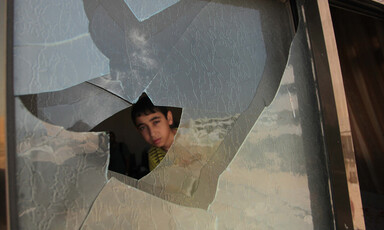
(156, 122)
(141, 128)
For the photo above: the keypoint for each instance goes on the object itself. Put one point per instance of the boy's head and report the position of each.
(153, 123)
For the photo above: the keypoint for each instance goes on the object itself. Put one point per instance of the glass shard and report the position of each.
(78, 108)
(59, 173)
(121, 207)
(145, 9)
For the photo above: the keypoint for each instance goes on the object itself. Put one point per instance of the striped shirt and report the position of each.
(155, 155)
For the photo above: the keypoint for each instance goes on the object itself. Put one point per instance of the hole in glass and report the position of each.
(129, 150)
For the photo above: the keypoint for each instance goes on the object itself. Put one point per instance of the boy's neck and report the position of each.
(170, 142)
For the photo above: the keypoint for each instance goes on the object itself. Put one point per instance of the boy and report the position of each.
(154, 123)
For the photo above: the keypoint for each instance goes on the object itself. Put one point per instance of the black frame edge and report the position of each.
(334, 153)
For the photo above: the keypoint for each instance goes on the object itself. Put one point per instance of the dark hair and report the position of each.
(144, 106)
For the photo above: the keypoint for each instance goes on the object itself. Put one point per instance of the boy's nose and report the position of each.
(151, 132)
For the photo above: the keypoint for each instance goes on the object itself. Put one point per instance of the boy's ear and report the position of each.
(170, 117)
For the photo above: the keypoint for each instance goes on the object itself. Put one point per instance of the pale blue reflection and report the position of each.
(53, 49)
(144, 9)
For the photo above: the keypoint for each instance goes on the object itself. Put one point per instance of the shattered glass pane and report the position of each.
(276, 180)
(248, 153)
(59, 173)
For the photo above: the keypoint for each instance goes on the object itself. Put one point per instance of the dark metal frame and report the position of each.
(11, 123)
(9, 183)
(339, 187)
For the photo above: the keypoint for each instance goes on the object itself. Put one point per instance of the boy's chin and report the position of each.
(159, 145)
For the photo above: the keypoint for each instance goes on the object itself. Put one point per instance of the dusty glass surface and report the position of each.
(122, 207)
(53, 49)
(59, 173)
(238, 160)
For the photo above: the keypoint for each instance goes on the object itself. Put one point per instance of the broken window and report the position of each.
(248, 134)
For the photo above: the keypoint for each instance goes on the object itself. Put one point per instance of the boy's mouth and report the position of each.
(156, 141)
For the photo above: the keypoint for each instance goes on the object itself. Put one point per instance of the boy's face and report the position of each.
(155, 129)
